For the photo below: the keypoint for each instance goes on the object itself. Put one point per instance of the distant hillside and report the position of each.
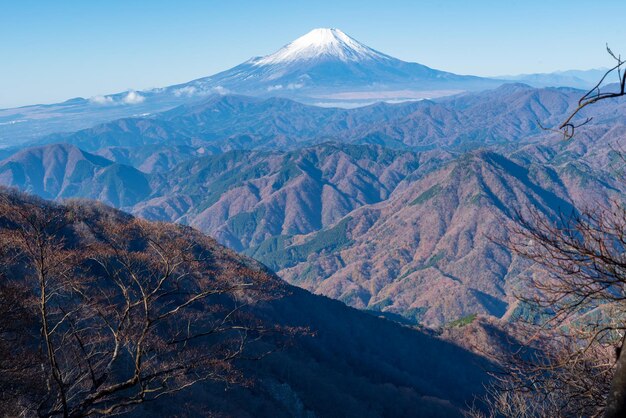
(387, 207)
(580, 79)
(354, 364)
(430, 252)
(509, 114)
(64, 171)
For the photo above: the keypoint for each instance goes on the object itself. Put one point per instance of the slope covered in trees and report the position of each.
(411, 177)
(302, 354)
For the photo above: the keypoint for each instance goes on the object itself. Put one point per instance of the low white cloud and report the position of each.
(185, 91)
(13, 122)
(133, 98)
(290, 86)
(189, 91)
(294, 86)
(221, 90)
(102, 100)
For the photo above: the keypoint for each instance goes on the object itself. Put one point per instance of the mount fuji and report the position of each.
(323, 67)
(328, 64)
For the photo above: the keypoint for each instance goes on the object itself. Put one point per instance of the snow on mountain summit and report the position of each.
(322, 43)
(328, 64)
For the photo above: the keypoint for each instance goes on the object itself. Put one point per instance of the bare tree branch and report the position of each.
(128, 310)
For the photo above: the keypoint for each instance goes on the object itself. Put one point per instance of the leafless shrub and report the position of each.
(568, 126)
(128, 311)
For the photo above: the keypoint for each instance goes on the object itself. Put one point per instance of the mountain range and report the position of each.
(348, 363)
(222, 123)
(385, 207)
(323, 66)
(581, 79)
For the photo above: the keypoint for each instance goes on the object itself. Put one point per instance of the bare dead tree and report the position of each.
(546, 381)
(572, 362)
(566, 365)
(587, 258)
(594, 95)
(129, 311)
(555, 372)
(19, 377)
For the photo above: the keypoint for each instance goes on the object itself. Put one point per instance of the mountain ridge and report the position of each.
(350, 363)
(324, 66)
(310, 190)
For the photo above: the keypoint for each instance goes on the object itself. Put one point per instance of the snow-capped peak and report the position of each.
(323, 42)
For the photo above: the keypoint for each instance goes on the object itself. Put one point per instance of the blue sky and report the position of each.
(54, 50)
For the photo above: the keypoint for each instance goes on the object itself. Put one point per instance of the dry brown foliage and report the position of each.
(126, 310)
(566, 361)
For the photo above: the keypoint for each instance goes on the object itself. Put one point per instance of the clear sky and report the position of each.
(52, 50)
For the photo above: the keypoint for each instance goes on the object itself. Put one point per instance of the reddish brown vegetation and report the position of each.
(118, 310)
